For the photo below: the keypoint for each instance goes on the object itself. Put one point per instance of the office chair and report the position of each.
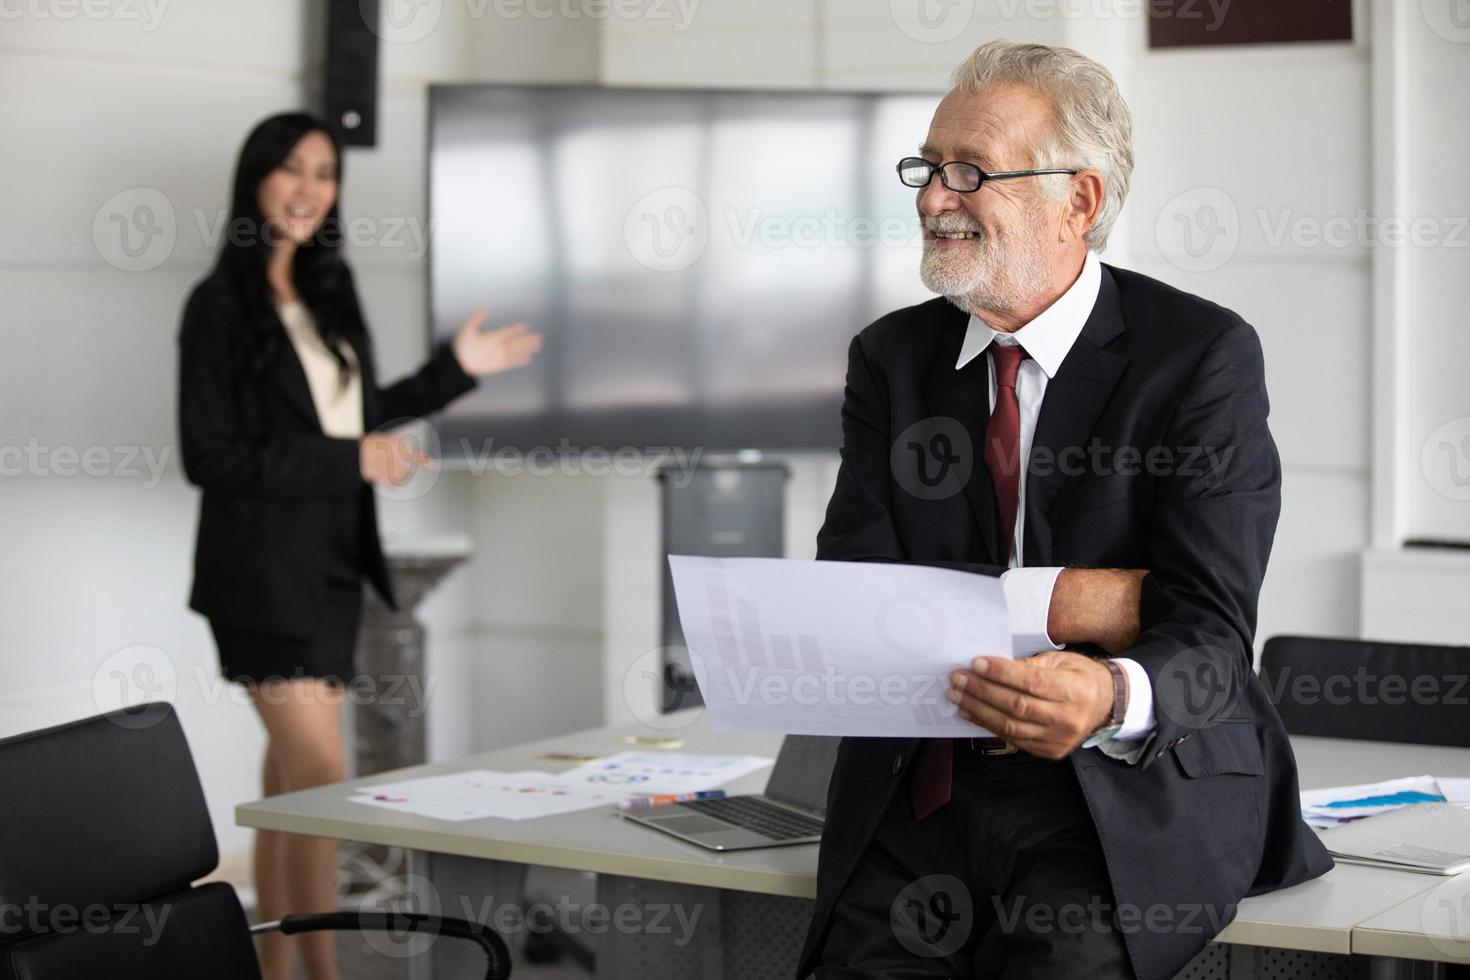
(1386, 692)
(103, 827)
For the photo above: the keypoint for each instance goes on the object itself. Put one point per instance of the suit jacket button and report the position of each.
(897, 764)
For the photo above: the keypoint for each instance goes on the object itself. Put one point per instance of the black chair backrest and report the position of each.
(1387, 692)
(103, 827)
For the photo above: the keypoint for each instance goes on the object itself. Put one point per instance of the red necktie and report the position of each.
(930, 788)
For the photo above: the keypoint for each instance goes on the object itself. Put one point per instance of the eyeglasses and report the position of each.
(963, 178)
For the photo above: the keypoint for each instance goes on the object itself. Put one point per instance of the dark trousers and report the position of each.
(1006, 880)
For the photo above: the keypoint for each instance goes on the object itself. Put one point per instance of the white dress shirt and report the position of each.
(335, 391)
(1028, 591)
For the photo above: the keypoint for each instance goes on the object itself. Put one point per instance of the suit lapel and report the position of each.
(1069, 413)
(289, 378)
(964, 395)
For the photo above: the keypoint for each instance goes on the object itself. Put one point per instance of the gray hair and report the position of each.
(1091, 126)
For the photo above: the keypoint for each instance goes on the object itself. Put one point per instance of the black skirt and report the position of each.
(251, 657)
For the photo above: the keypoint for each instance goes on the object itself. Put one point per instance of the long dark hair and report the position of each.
(318, 272)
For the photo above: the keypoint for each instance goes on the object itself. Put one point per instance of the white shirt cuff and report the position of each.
(1138, 717)
(1028, 602)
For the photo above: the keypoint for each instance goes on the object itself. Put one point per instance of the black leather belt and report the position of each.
(989, 746)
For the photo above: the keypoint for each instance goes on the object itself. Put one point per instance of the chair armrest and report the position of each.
(497, 954)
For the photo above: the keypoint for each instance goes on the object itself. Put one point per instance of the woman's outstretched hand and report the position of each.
(482, 352)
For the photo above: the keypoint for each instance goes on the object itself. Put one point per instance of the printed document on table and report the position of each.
(833, 647)
(660, 773)
(1338, 805)
(481, 793)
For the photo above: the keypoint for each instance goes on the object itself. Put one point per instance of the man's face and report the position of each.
(992, 249)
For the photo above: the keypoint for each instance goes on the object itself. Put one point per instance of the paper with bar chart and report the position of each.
(835, 648)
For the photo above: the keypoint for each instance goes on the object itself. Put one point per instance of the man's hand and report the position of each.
(1046, 705)
(1096, 605)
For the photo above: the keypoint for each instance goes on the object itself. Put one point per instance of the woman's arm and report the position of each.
(217, 453)
(451, 369)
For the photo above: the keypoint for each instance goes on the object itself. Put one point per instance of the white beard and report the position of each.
(994, 273)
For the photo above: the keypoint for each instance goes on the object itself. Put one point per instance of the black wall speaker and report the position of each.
(351, 89)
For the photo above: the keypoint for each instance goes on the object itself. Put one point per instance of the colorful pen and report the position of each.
(640, 802)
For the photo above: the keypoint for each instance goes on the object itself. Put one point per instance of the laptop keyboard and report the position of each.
(756, 814)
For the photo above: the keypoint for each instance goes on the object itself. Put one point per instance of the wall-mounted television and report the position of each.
(697, 260)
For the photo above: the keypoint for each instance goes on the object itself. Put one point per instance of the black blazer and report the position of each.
(253, 442)
(1211, 812)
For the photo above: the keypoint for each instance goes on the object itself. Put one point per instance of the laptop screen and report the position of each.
(803, 769)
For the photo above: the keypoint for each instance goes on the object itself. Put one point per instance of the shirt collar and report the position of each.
(1051, 335)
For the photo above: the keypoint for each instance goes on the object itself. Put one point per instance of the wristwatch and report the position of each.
(1114, 724)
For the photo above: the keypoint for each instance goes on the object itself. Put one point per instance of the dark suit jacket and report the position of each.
(253, 442)
(1211, 811)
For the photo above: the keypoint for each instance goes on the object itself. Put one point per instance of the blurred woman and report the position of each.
(279, 415)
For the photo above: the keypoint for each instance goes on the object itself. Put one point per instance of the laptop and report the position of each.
(790, 811)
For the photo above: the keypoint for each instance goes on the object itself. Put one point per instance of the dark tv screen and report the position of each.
(698, 261)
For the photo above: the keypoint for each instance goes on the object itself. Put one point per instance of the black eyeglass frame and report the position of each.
(941, 168)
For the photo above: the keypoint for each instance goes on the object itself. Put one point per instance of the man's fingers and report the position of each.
(1022, 675)
(1009, 701)
(998, 723)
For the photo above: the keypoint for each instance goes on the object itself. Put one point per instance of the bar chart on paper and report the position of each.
(834, 648)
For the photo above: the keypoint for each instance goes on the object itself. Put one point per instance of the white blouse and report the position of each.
(336, 391)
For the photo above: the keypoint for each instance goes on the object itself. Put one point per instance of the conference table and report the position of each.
(665, 908)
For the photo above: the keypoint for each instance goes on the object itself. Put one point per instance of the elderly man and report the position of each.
(1139, 782)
